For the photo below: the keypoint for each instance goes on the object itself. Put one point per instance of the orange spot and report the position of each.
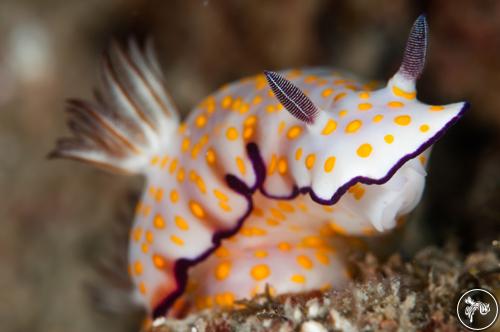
(159, 222)
(328, 208)
(357, 191)
(164, 162)
(220, 195)
(229, 298)
(312, 241)
(256, 100)
(219, 299)
(241, 165)
(196, 209)
(152, 191)
(182, 128)
(305, 262)
(364, 106)
(209, 302)
(364, 150)
(395, 104)
(185, 144)
(281, 127)
(340, 96)
(256, 231)
(149, 237)
(210, 156)
(174, 196)
(270, 108)
(364, 95)
(282, 166)
(272, 222)
(260, 253)
(389, 139)
(142, 288)
(146, 210)
(329, 164)
(224, 206)
(260, 271)
(226, 102)
(159, 262)
(248, 132)
(277, 214)
(272, 165)
(285, 206)
(330, 127)
(310, 79)
(404, 94)
(159, 195)
(200, 184)
(402, 120)
(181, 223)
(136, 234)
(138, 268)
(338, 229)
(298, 154)
(436, 108)
(173, 166)
(326, 92)
(145, 248)
(236, 104)
(222, 252)
(294, 132)
(353, 126)
(258, 212)
(250, 121)
(203, 140)
(368, 231)
(310, 159)
(181, 175)
(222, 270)
(303, 207)
(377, 118)
(232, 133)
(343, 113)
(177, 240)
(322, 257)
(298, 278)
(284, 246)
(424, 128)
(154, 160)
(201, 121)
(196, 150)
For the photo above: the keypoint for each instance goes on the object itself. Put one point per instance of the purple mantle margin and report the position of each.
(182, 265)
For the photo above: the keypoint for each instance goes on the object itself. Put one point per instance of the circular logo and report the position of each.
(477, 309)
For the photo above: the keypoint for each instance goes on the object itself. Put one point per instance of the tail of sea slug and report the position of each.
(131, 117)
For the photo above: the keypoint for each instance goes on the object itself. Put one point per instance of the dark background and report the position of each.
(57, 218)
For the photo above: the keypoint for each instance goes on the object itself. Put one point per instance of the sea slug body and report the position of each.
(253, 188)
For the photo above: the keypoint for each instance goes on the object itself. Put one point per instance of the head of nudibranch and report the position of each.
(368, 135)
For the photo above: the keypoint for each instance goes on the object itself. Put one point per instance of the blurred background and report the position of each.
(57, 218)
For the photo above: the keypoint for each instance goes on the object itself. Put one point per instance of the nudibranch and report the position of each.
(256, 185)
